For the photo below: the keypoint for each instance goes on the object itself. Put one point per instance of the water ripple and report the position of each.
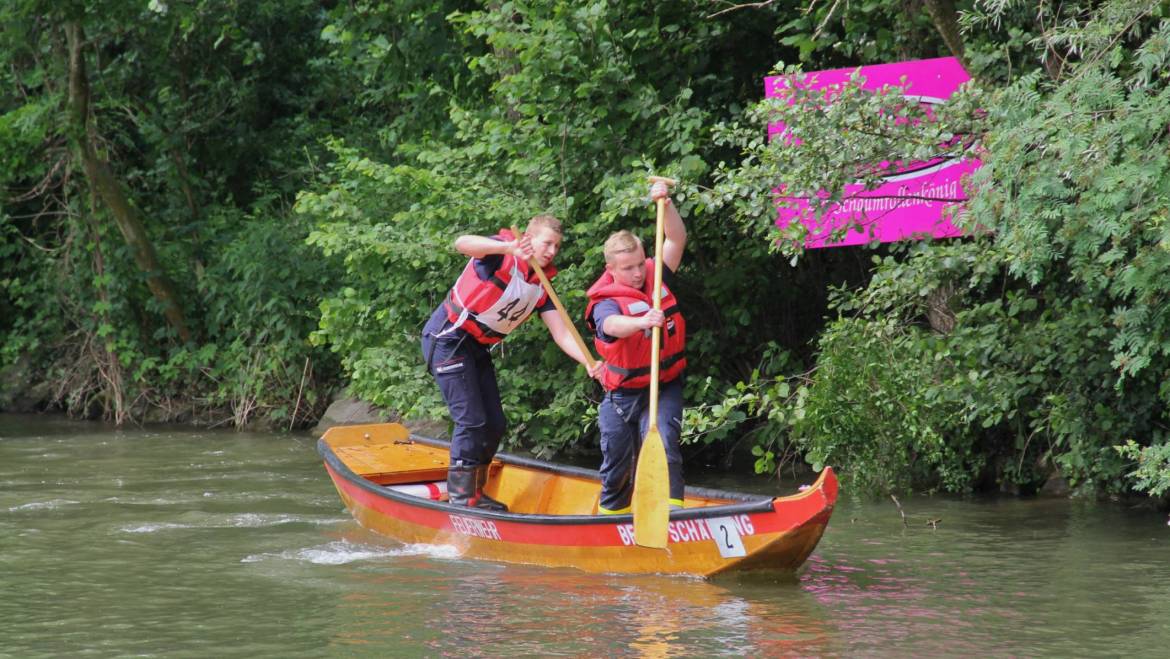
(341, 552)
(52, 504)
(239, 521)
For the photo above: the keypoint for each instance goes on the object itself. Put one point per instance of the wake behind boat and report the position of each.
(394, 482)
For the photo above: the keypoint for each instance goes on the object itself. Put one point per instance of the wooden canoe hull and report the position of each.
(744, 532)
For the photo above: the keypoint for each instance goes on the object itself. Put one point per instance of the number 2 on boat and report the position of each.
(726, 537)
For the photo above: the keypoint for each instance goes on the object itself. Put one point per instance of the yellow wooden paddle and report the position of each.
(557, 303)
(651, 505)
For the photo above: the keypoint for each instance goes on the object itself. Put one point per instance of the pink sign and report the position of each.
(907, 205)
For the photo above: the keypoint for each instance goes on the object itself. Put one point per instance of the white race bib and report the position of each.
(514, 306)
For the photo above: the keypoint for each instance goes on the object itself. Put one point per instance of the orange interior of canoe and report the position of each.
(385, 454)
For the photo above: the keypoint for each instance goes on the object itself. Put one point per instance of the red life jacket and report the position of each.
(489, 310)
(627, 360)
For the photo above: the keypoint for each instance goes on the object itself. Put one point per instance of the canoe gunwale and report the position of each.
(748, 503)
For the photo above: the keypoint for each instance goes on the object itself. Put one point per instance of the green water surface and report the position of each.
(180, 542)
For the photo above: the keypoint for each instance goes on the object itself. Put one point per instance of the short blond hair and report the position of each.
(544, 222)
(620, 243)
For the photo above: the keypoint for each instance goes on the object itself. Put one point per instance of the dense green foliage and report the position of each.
(301, 170)
(1055, 347)
(203, 112)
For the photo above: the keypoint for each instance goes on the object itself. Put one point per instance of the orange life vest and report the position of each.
(627, 360)
(489, 310)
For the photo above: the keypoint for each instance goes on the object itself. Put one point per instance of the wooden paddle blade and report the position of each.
(651, 506)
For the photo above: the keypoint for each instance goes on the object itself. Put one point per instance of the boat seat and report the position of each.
(393, 464)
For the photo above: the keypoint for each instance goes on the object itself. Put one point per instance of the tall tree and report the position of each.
(105, 185)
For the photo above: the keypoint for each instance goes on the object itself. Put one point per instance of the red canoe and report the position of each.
(394, 483)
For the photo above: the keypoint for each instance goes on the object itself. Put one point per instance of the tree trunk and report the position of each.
(938, 308)
(946, 21)
(106, 187)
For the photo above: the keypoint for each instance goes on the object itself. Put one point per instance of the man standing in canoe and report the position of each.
(620, 315)
(496, 292)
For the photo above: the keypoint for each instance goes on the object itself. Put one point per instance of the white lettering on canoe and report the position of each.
(688, 530)
(691, 530)
(480, 528)
(744, 524)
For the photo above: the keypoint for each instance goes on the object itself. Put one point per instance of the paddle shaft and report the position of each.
(656, 333)
(557, 303)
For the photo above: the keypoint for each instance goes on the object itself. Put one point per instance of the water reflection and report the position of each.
(457, 607)
(992, 580)
(1001, 577)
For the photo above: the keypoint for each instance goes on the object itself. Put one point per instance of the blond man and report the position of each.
(621, 315)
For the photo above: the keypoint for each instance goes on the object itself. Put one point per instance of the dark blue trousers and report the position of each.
(463, 369)
(624, 417)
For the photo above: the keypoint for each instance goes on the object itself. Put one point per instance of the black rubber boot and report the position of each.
(460, 484)
(485, 502)
(465, 487)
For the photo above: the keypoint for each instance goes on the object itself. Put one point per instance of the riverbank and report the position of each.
(21, 392)
(25, 391)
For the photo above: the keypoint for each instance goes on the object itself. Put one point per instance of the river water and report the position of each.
(182, 542)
